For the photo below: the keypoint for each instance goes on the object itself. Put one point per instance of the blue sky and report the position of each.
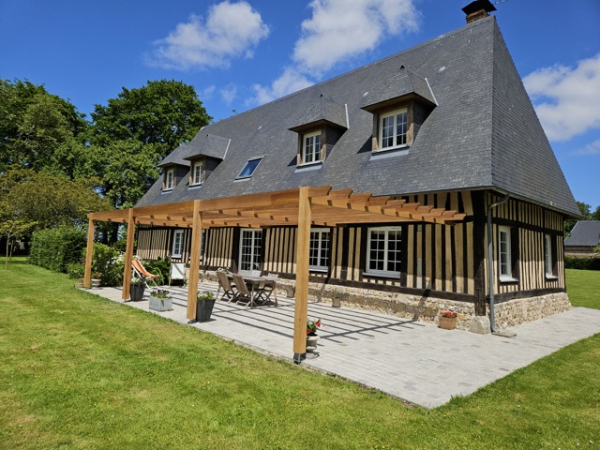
(239, 54)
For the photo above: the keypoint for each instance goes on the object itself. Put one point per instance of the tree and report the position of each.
(584, 209)
(38, 130)
(164, 113)
(12, 226)
(49, 200)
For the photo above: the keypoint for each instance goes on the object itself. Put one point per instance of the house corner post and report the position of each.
(128, 254)
(194, 262)
(302, 267)
(87, 275)
(479, 246)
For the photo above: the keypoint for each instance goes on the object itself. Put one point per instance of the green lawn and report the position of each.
(583, 287)
(79, 372)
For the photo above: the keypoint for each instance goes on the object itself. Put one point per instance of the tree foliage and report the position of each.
(165, 113)
(50, 200)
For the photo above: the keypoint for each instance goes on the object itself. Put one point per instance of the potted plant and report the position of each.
(136, 292)
(204, 306)
(448, 320)
(311, 334)
(96, 279)
(160, 300)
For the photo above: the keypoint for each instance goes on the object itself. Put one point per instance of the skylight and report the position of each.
(249, 168)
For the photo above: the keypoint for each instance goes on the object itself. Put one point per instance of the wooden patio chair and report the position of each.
(229, 291)
(242, 288)
(140, 272)
(269, 288)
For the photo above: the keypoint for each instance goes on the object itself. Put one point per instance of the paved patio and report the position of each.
(416, 362)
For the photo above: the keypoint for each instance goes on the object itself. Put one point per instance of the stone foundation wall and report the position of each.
(521, 310)
(424, 309)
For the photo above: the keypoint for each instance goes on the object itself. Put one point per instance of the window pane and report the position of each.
(249, 168)
(401, 128)
(387, 132)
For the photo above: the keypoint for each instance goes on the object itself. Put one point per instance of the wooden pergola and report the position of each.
(303, 207)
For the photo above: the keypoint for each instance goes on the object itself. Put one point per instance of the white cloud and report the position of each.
(228, 94)
(590, 149)
(341, 29)
(208, 92)
(290, 81)
(567, 98)
(231, 30)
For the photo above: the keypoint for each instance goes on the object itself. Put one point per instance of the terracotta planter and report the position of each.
(448, 323)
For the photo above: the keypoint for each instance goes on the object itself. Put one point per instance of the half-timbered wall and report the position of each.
(436, 258)
(532, 223)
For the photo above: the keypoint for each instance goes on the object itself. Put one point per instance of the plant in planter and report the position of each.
(96, 278)
(448, 320)
(160, 300)
(137, 288)
(204, 306)
(311, 334)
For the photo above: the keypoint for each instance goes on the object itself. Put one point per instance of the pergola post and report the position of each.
(87, 276)
(128, 255)
(194, 262)
(302, 268)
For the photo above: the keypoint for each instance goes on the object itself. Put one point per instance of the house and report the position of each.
(583, 238)
(407, 170)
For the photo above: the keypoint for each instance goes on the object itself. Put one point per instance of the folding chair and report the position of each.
(269, 288)
(229, 291)
(140, 271)
(243, 292)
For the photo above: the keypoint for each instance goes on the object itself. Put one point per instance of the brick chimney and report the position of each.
(479, 9)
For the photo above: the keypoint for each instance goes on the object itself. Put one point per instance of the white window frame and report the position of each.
(318, 245)
(394, 114)
(177, 247)
(255, 251)
(549, 257)
(312, 138)
(169, 179)
(505, 256)
(383, 273)
(196, 181)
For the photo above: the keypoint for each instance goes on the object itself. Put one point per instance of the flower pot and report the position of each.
(311, 343)
(161, 304)
(204, 309)
(136, 292)
(95, 282)
(448, 323)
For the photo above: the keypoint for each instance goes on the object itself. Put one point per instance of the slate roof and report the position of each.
(483, 133)
(203, 144)
(584, 233)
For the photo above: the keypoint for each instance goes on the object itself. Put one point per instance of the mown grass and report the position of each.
(583, 287)
(79, 372)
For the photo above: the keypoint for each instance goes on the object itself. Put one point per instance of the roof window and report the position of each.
(249, 168)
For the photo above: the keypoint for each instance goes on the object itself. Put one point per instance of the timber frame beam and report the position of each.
(301, 207)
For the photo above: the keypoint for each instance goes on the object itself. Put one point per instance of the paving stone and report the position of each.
(414, 361)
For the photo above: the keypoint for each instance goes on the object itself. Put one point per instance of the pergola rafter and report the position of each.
(301, 207)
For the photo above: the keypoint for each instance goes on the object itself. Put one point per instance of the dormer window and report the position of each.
(393, 129)
(311, 148)
(169, 179)
(197, 175)
(249, 168)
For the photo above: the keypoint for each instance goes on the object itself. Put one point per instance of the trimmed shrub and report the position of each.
(54, 248)
(75, 270)
(572, 262)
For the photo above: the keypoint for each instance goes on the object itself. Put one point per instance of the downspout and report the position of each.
(491, 260)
